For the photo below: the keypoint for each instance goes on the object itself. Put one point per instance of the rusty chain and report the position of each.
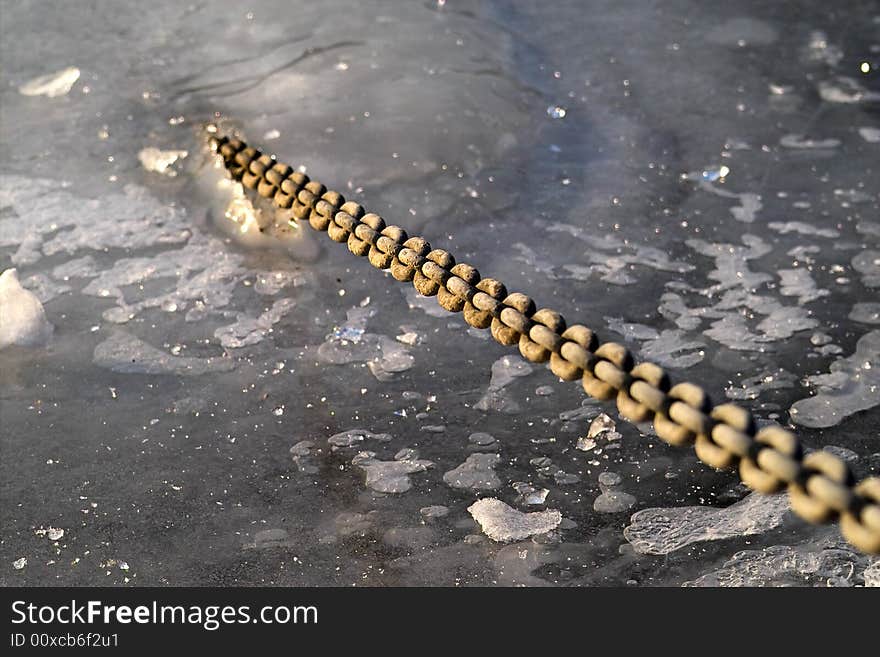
(821, 486)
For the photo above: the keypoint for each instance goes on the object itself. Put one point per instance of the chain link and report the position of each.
(821, 486)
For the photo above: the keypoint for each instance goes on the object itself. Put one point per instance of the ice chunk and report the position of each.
(476, 473)
(867, 263)
(753, 387)
(802, 228)
(664, 530)
(867, 312)
(435, 511)
(22, 318)
(503, 523)
(613, 499)
(125, 353)
(154, 159)
(870, 135)
(355, 436)
(505, 370)
(799, 141)
(250, 330)
(52, 84)
(822, 562)
(850, 386)
(389, 476)
(602, 424)
(844, 89)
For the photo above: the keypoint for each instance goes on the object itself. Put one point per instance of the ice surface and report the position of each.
(22, 318)
(125, 353)
(852, 385)
(476, 473)
(664, 530)
(504, 524)
(251, 330)
(52, 84)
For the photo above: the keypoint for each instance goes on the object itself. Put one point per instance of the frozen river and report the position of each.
(197, 407)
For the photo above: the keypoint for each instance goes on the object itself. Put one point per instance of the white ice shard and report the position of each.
(53, 84)
(159, 161)
(503, 523)
(22, 318)
(664, 530)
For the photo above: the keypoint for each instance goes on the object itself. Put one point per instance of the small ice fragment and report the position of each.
(354, 436)
(22, 318)
(799, 141)
(271, 134)
(556, 112)
(585, 444)
(503, 523)
(18, 564)
(870, 135)
(603, 424)
(55, 534)
(530, 495)
(389, 476)
(481, 439)
(476, 473)
(544, 391)
(436, 511)
(866, 312)
(612, 499)
(410, 338)
(51, 85)
(154, 159)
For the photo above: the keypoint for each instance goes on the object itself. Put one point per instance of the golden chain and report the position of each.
(821, 486)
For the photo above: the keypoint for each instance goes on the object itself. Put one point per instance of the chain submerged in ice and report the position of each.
(664, 530)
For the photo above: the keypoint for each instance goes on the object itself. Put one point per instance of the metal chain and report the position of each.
(821, 486)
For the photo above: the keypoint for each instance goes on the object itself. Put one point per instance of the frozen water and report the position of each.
(851, 386)
(128, 354)
(389, 476)
(154, 159)
(22, 318)
(504, 524)
(751, 273)
(52, 84)
(661, 531)
(867, 312)
(505, 371)
(353, 437)
(824, 562)
(613, 498)
(476, 473)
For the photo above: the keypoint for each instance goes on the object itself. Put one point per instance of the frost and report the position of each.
(664, 530)
(844, 89)
(799, 283)
(850, 386)
(22, 318)
(503, 523)
(476, 473)
(125, 353)
(52, 85)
